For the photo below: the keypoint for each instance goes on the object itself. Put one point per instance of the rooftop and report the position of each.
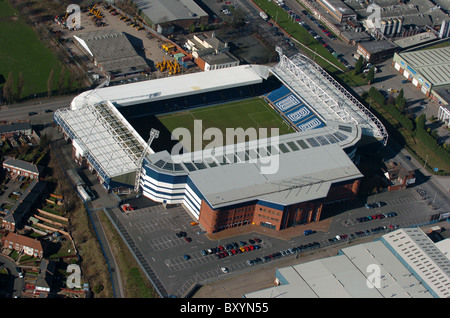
(319, 91)
(228, 175)
(112, 49)
(175, 86)
(346, 276)
(433, 64)
(170, 10)
(378, 46)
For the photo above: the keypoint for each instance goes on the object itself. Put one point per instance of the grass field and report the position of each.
(245, 114)
(22, 51)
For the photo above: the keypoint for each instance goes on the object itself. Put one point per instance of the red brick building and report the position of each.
(23, 244)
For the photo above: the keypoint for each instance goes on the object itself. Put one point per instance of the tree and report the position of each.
(20, 85)
(61, 79)
(50, 83)
(370, 75)
(400, 101)
(359, 65)
(420, 122)
(7, 88)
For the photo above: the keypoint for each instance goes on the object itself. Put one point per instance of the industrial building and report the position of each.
(353, 20)
(178, 13)
(112, 53)
(229, 187)
(210, 53)
(409, 265)
(427, 69)
(399, 19)
(376, 51)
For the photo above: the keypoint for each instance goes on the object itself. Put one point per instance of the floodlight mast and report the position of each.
(153, 134)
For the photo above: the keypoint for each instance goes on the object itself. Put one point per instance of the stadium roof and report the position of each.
(104, 136)
(326, 96)
(434, 64)
(346, 276)
(175, 86)
(297, 167)
(170, 10)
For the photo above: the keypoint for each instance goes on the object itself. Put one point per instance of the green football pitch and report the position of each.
(249, 114)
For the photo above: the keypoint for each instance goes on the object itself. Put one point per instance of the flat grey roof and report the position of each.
(414, 12)
(170, 10)
(112, 50)
(415, 39)
(378, 46)
(346, 276)
(434, 64)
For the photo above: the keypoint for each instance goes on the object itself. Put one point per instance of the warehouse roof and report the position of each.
(112, 50)
(346, 276)
(433, 64)
(170, 10)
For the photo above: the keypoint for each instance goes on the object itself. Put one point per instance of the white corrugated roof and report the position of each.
(174, 86)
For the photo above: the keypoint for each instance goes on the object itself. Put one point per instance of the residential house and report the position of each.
(23, 244)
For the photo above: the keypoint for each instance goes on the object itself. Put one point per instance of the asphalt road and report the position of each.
(20, 111)
(14, 283)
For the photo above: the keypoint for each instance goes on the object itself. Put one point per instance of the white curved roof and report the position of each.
(174, 86)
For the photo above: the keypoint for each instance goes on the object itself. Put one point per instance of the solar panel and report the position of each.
(222, 160)
(262, 152)
(272, 150)
(322, 140)
(200, 165)
(212, 164)
(283, 148)
(190, 166)
(168, 166)
(340, 136)
(252, 154)
(293, 146)
(331, 139)
(241, 156)
(313, 142)
(345, 128)
(178, 167)
(160, 163)
(302, 144)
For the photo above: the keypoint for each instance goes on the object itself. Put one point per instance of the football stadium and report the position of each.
(126, 136)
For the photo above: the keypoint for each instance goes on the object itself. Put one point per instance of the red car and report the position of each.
(187, 239)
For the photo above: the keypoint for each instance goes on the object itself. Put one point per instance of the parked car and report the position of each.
(32, 113)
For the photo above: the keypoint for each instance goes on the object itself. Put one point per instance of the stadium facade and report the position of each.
(276, 181)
